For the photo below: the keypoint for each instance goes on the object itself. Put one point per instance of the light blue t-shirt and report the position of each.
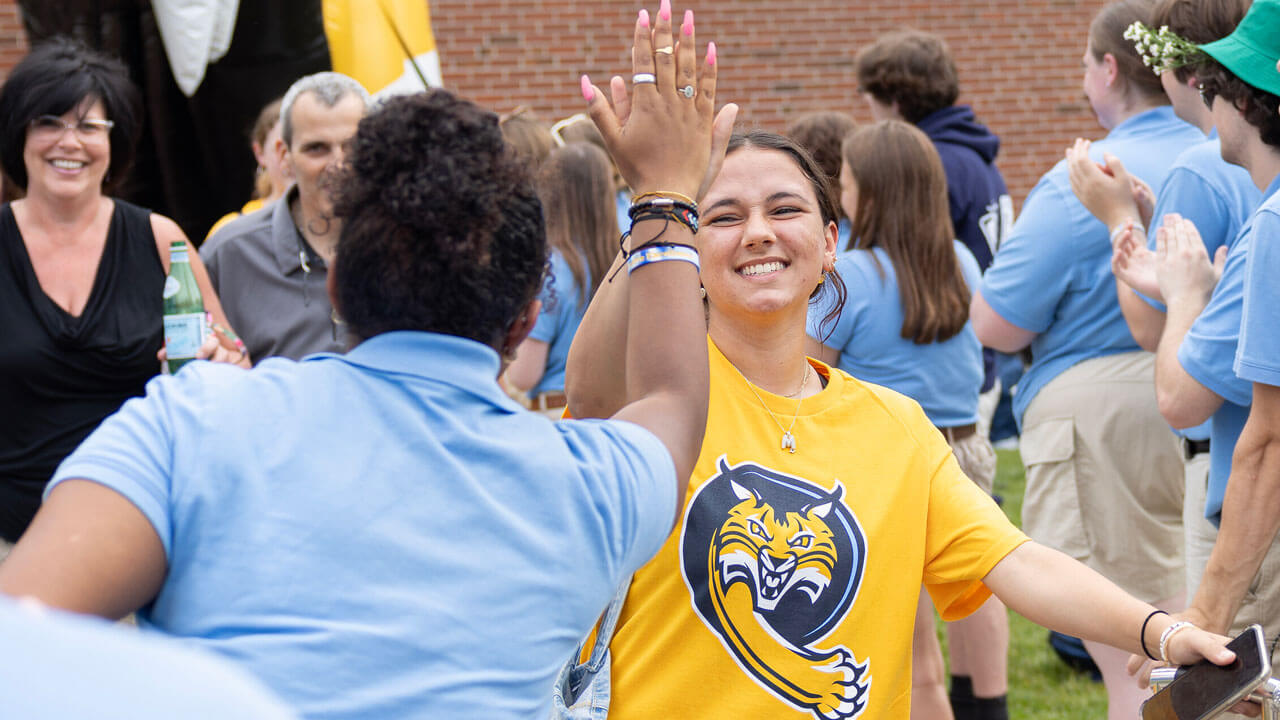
(383, 534)
(1258, 357)
(59, 666)
(1052, 275)
(1207, 353)
(562, 311)
(1210, 192)
(944, 377)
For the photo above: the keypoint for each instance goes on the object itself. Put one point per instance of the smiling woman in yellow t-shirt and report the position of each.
(819, 504)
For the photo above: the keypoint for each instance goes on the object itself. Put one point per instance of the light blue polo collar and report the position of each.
(1142, 123)
(466, 364)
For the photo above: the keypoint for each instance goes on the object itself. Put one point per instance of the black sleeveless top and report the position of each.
(60, 375)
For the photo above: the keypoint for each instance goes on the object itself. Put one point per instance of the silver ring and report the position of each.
(639, 78)
(668, 50)
(687, 91)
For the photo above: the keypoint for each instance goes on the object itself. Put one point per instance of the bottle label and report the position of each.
(184, 334)
(171, 287)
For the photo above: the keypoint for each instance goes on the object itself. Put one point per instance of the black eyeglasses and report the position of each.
(1207, 95)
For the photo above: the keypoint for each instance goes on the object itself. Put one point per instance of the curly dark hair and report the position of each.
(1258, 106)
(911, 68)
(442, 230)
(55, 77)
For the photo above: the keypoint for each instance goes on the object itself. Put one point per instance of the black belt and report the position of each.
(1193, 448)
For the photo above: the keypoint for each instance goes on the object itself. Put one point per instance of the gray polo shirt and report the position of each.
(272, 285)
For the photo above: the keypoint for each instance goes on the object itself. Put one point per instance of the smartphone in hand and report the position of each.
(1203, 690)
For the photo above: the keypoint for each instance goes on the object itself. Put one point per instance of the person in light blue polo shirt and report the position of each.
(1241, 82)
(58, 666)
(1104, 473)
(385, 533)
(1218, 198)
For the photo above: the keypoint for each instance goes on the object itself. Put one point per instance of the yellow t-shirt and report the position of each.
(251, 206)
(789, 587)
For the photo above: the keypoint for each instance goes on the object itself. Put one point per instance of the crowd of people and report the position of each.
(640, 413)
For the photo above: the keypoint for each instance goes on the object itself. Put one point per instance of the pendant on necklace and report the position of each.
(789, 442)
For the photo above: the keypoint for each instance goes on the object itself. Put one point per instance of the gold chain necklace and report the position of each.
(788, 440)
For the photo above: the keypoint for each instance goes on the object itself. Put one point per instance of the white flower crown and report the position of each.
(1163, 49)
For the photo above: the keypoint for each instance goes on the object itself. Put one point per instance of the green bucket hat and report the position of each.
(1251, 51)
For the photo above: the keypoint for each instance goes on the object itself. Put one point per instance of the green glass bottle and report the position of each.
(185, 325)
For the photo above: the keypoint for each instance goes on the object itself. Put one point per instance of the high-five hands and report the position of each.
(662, 134)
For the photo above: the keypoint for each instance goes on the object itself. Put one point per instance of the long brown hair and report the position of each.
(575, 184)
(902, 208)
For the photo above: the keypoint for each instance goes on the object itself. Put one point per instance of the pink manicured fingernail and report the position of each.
(588, 93)
(711, 53)
(644, 18)
(664, 10)
(687, 26)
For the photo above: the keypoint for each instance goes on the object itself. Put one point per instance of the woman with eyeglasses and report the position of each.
(81, 273)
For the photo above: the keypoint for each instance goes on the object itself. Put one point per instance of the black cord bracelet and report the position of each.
(1142, 634)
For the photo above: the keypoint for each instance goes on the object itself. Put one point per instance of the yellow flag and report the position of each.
(387, 45)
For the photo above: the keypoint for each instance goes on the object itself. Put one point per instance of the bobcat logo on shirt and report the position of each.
(774, 563)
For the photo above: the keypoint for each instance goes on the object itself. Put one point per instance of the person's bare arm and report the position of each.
(993, 330)
(1187, 280)
(88, 550)
(1146, 322)
(660, 141)
(529, 365)
(1050, 589)
(1250, 519)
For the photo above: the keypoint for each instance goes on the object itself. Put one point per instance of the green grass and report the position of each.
(1041, 687)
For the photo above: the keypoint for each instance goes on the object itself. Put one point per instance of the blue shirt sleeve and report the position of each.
(1258, 357)
(1208, 350)
(133, 451)
(837, 332)
(1032, 270)
(555, 303)
(631, 480)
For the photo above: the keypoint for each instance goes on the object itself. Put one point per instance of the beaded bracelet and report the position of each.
(661, 253)
(1168, 634)
(682, 212)
(1142, 634)
(1120, 228)
(665, 194)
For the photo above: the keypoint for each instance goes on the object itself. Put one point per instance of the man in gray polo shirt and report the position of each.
(270, 267)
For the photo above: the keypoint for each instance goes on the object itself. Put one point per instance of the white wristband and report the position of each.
(1168, 634)
(1138, 229)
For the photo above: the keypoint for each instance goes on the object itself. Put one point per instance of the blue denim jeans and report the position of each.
(582, 689)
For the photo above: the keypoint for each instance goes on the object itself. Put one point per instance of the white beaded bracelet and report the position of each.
(1138, 229)
(1168, 634)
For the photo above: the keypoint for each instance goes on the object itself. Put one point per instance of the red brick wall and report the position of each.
(1019, 59)
(13, 41)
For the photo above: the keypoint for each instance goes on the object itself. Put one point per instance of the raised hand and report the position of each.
(1106, 191)
(660, 135)
(1133, 263)
(1182, 263)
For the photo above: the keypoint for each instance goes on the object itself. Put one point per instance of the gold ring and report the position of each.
(665, 50)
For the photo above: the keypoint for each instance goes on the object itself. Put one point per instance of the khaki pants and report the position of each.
(1105, 475)
(1198, 531)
